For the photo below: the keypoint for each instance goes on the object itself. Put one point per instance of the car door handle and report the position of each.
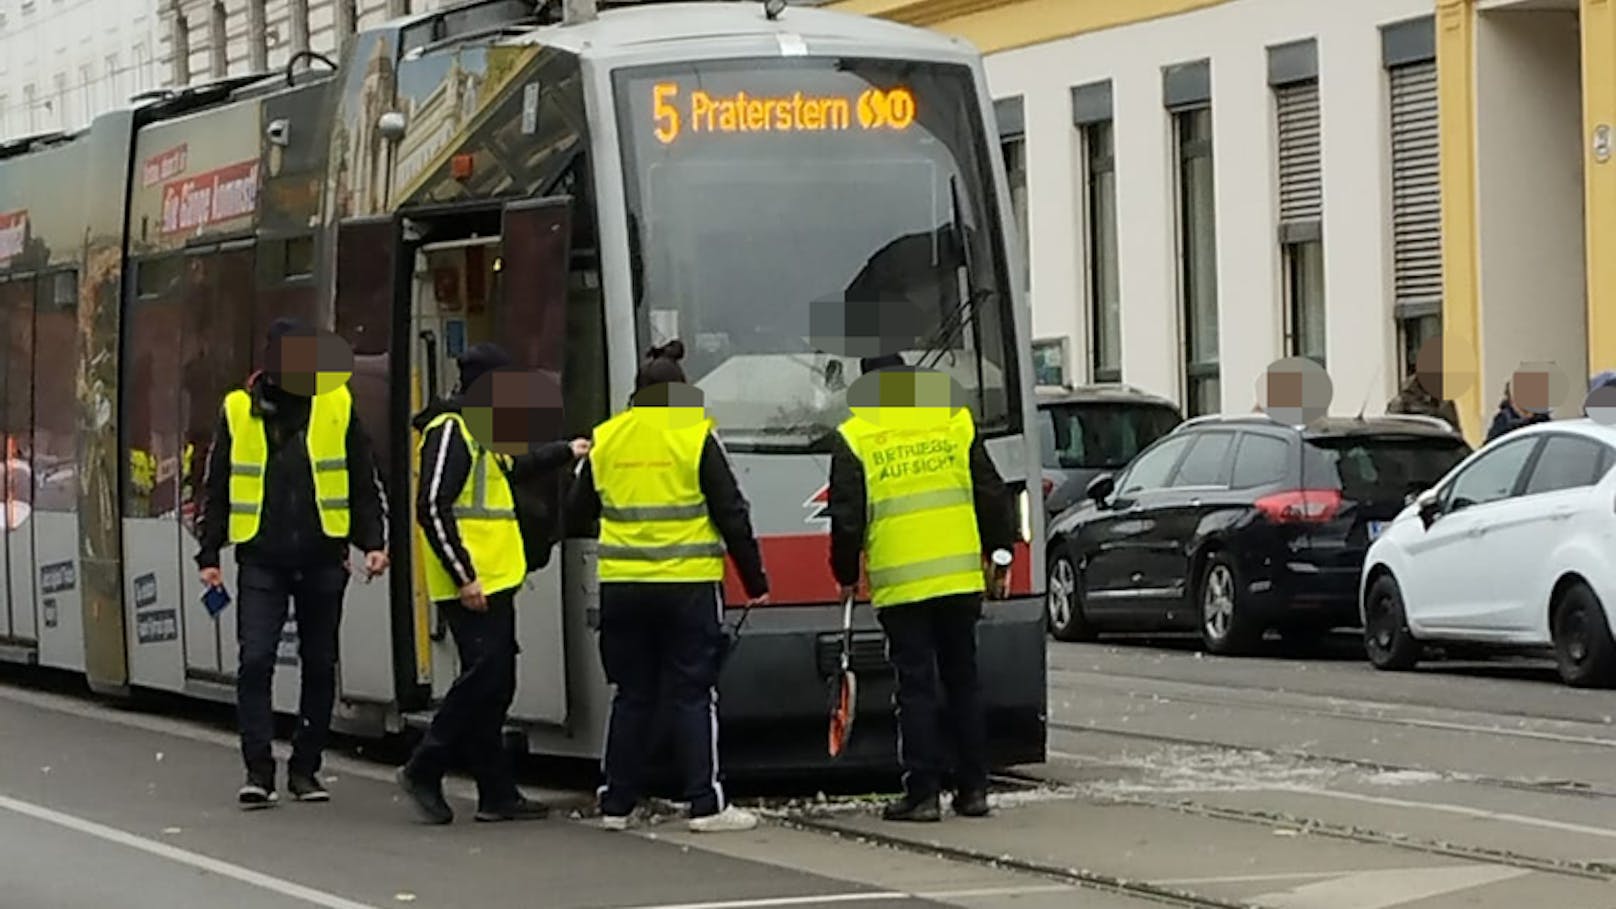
(1195, 503)
(1561, 514)
(1476, 530)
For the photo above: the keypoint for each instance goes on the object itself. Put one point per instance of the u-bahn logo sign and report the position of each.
(206, 199)
(818, 506)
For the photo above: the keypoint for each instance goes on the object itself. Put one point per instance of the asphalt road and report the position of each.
(1288, 782)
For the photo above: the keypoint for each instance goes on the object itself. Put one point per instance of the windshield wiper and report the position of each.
(971, 296)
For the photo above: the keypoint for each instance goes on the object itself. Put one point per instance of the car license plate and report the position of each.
(1375, 527)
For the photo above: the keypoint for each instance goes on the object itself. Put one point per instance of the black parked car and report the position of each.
(1094, 429)
(1232, 525)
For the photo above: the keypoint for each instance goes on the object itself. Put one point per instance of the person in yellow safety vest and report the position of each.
(142, 476)
(912, 487)
(466, 511)
(668, 507)
(291, 483)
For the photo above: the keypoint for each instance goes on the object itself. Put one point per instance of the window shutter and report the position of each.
(1301, 181)
(1416, 189)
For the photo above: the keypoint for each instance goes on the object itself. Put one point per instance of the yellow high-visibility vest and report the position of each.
(921, 540)
(327, 439)
(654, 525)
(485, 513)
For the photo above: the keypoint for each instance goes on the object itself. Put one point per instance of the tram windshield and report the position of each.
(784, 215)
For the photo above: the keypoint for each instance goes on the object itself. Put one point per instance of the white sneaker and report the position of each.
(614, 822)
(730, 820)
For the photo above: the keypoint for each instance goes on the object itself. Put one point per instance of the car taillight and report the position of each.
(1049, 486)
(1302, 506)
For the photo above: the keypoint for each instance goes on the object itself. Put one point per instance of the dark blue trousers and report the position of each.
(659, 644)
(265, 594)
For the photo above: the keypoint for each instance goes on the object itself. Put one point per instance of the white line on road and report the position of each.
(182, 856)
(874, 896)
(1257, 878)
(1506, 817)
(1389, 888)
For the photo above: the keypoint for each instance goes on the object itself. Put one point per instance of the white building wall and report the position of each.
(80, 57)
(1357, 226)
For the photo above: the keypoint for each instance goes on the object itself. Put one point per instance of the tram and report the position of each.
(577, 185)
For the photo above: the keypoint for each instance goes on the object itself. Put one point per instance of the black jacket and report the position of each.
(444, 469)
(726, 505)
(1506, 420)
(995, 512)
(289, 532)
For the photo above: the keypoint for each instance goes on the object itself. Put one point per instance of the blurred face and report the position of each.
(307, 365)
(512, 412)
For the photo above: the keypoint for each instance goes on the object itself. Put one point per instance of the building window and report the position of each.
(5, 117)
(1049, 361)
(114, 82)
(1301, 217)
(218, 40)
(1416, 207)
(86, 89)
(1104, 286)
(30, 101)
(1198, 267)
(1015, 172)
(63, 120)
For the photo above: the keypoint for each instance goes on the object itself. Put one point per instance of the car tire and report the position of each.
(1063, 601)
(1224, 614)
(1583, 647)
(1390, 644)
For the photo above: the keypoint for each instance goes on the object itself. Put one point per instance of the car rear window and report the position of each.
(1371, 468)
(1101, 436)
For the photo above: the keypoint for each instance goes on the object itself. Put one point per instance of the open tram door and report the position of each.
(510, 289)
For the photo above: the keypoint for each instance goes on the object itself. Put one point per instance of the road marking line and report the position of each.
(873, 896)
(1506, 817)
(1386, 889)
(994, 891)
(182, 856)
(1259, 878)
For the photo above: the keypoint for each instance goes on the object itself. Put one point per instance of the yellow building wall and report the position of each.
(996, 25)
(1599, 109)
(1456, 110)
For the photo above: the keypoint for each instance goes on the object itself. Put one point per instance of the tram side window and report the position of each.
(584, 369)
(286, 281)
(55, 392)
(16, 385)
(152, 333)
(217, 354)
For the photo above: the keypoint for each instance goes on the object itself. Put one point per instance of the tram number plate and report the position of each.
(1375, 527)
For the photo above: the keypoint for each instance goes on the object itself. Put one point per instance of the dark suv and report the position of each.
(1094, 429)
(1232, 525)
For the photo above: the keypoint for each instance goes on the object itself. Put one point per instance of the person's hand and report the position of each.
(580, 449)
(1001, 582)
(471, 597)
(212, 577)
(761, 600)
(846, 592)
(375, 562)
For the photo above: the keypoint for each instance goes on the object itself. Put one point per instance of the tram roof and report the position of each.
(666, 23)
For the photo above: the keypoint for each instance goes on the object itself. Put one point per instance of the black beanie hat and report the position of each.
(479, 360)
(661, 366)
(868, 365)
(283, 327)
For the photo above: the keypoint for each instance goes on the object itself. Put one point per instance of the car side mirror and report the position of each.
(1430, 508)
(1100, 488)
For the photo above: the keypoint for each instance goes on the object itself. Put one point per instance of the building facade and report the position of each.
(1205, 186)
(63, 61)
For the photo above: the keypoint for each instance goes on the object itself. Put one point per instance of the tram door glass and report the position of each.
(16, 425)
(791, 216)
(54, 518)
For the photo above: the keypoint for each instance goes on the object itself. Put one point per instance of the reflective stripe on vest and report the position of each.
(327, 442)
(654, 526)
(921, 541)
(485, 514)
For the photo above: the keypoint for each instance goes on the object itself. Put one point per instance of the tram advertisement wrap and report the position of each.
(13, 235)
(221, 195)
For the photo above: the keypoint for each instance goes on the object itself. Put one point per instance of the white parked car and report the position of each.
(1515, 547)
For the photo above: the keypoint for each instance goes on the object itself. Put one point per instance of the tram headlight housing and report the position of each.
(1024, 514)
(773, 8)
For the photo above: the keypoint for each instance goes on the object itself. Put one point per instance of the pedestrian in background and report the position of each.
(467, 515)
(925, 524)
(668, 507)
(1512, 415)
(1414, 398)
(291, 483)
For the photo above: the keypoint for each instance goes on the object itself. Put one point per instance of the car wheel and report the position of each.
(1064, 602)
(1389, 643)
(1582, 640)
(1226, 627)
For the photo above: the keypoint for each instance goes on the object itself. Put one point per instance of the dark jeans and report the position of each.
(932, 648)
(264, 595)
(470, 723)
(659, 644)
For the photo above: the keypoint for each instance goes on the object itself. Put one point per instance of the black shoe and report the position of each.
(920, 810)
(523, 809)
(257, 793)
(307, 788)
(971, 803)
(427, 800)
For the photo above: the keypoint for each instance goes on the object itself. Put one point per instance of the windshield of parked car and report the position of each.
(1100, 436)
(1380, 468)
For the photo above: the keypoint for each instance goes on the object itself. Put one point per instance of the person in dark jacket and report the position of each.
(930, 620)
(1512, 416)
(466, 512)
(1414, 398)
(659, 492)
(291, 482)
